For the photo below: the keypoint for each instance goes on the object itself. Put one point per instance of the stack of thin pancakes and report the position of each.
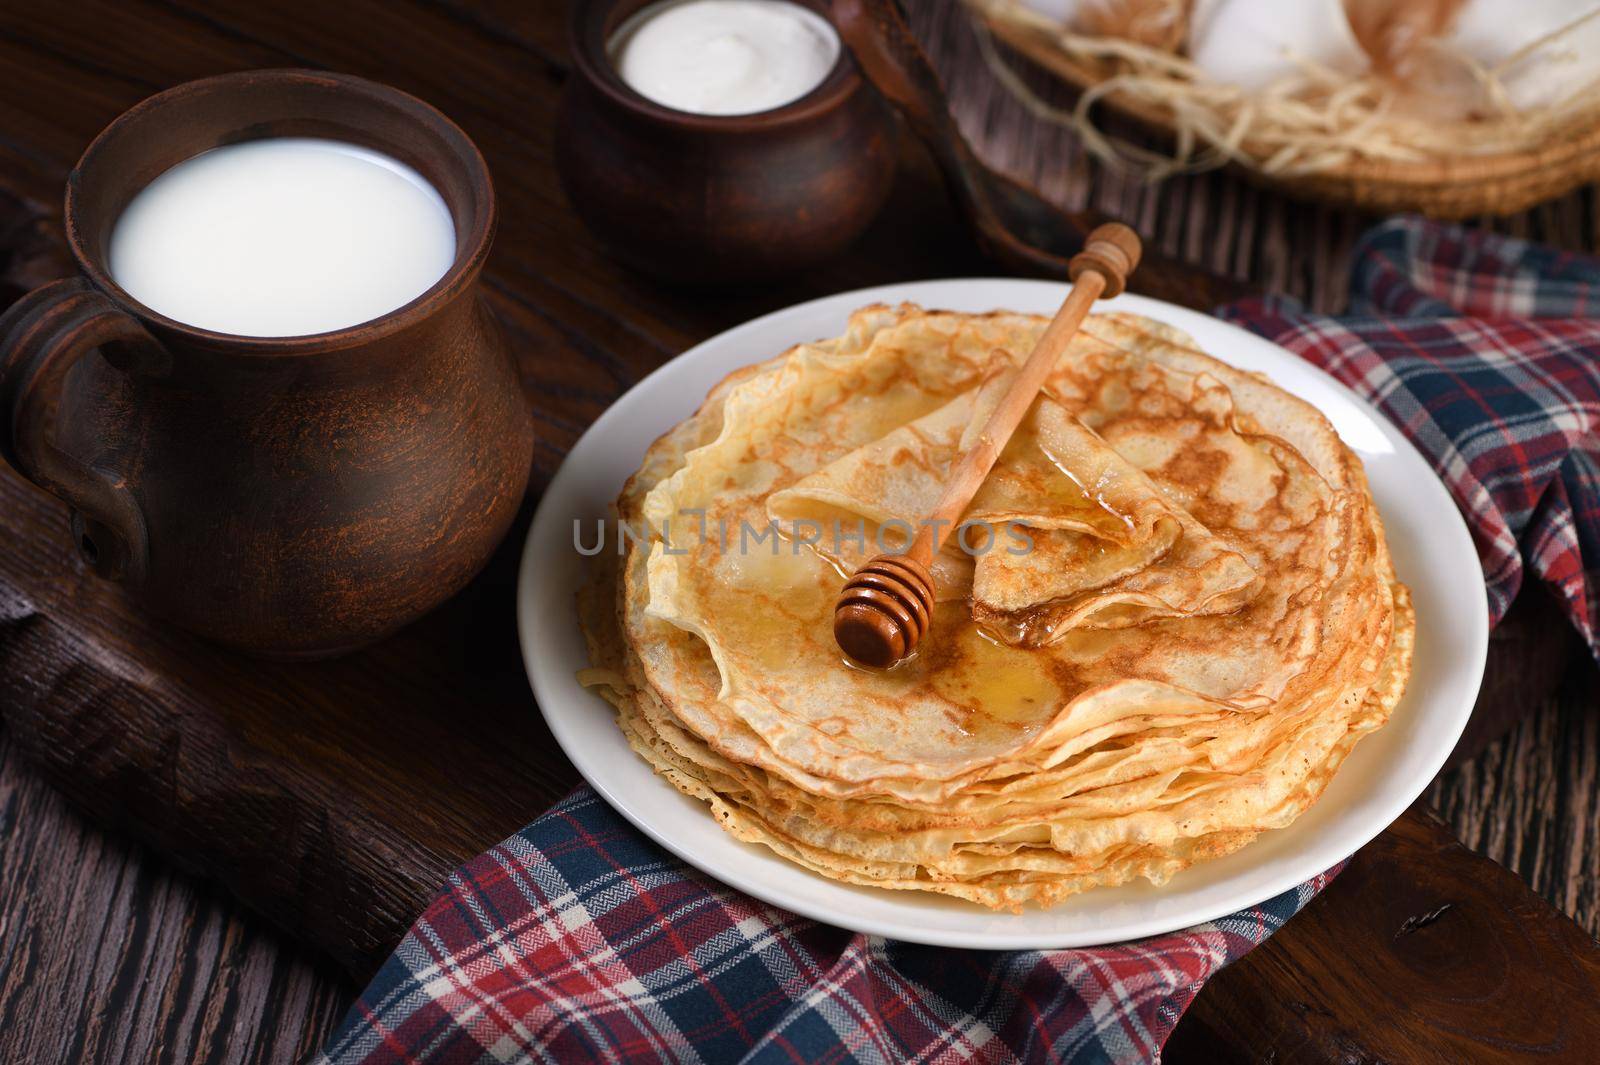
(1169, 618)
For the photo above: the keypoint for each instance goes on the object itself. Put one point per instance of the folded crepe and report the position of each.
(1063, 533)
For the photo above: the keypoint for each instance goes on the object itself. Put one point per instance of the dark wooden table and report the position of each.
(332, 798)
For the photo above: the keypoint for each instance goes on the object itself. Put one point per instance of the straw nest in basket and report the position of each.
(1449, 107)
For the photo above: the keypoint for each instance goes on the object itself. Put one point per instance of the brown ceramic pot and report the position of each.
(718, 199)
(292, 496)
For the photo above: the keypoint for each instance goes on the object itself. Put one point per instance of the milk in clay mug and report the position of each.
(292, 495)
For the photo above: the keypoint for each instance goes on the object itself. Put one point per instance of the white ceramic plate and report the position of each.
(1385, 773)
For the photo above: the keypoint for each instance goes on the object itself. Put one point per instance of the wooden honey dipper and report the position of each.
(886, 607)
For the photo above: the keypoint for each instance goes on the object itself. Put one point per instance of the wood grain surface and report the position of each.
(1454, 976)
(106, 954)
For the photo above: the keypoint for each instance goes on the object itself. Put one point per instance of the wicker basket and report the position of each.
(1457, 187)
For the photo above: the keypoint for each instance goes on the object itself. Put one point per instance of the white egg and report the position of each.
(1254, 43)
(1491, 31)
(1152, 23)
(1062, 11)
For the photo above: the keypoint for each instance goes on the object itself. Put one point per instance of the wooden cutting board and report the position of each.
(335, 797)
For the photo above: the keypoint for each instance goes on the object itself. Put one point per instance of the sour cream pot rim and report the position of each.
(591, 38)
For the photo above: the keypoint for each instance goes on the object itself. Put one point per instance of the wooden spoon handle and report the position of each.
(1101, 269)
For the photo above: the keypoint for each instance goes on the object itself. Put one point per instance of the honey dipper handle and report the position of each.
(1101, 269)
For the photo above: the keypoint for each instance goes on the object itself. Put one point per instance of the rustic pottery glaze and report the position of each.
(292, 496)
(718, 199)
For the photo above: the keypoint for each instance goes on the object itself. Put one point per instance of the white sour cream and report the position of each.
(724, 57)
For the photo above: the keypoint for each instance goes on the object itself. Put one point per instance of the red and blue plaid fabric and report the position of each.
(1485, 351)
(579, 940)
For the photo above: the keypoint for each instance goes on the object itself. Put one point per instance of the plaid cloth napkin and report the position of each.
(1485, 351)
(579, 940)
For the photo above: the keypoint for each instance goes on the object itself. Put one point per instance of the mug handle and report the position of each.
(42, 336)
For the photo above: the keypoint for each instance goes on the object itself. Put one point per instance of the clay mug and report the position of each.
(291, 496)
(718, 199)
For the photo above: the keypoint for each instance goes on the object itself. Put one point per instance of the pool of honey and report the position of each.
(772, 608)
